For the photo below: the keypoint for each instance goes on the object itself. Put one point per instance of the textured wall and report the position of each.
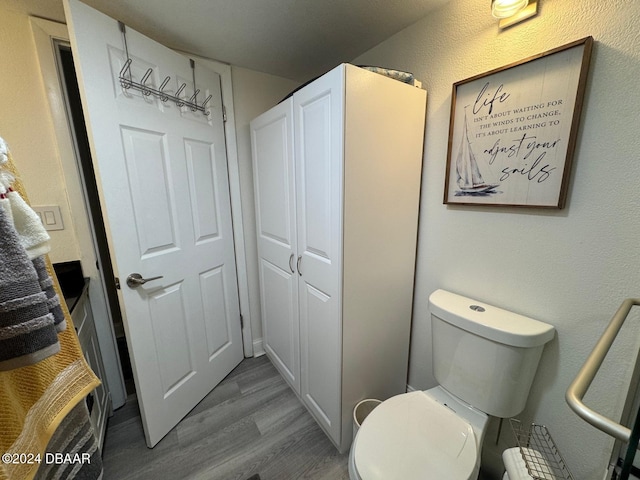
(570, 268)
(25, 123)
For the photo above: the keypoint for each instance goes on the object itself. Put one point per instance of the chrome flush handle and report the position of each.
(135, 280)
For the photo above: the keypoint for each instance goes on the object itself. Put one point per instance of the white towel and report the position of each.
(517, 468)
(4, 149)
(32, 234)
(5, 204)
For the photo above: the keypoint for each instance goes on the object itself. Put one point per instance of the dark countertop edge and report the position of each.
(72, 301)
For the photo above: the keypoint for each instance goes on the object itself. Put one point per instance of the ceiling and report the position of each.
(295, 39)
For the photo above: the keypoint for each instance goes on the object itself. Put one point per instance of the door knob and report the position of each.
(135, 280)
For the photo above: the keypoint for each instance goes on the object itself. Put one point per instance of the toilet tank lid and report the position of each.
(488, 321)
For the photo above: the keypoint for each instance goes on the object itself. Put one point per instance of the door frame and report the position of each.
(46, 33)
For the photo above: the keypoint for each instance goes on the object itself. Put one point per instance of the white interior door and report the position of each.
(162, 174)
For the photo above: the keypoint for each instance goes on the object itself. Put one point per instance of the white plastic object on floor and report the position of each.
(517, 468)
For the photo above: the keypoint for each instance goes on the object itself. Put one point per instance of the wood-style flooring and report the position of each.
(251, 423)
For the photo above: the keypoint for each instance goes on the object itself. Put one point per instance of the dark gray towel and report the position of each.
(27, 330)
(53, 301)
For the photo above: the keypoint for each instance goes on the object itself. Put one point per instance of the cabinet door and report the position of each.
(99, 400)
(318, 124)
(273, 170)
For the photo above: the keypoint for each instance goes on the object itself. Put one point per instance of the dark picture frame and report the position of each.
(512, 130)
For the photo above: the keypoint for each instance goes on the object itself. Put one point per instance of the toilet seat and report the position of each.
(412, 436)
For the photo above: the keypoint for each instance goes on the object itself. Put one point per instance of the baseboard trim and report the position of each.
(258, 348)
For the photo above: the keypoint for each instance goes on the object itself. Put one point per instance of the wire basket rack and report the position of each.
(539, 452)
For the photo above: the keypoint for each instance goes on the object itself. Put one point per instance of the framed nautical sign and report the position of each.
(513, 130)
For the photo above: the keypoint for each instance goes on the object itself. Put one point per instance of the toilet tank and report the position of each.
(484, 355)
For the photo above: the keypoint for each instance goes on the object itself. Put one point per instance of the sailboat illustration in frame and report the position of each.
(469, 178)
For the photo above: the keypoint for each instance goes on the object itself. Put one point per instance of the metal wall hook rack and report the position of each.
(127, 82)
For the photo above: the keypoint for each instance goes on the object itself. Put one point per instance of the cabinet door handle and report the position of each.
(298, 265)
(291, 263)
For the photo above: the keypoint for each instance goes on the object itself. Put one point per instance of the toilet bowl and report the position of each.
(484, 359)
(419, 435)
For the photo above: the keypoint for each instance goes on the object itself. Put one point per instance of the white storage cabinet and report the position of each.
(337, 170)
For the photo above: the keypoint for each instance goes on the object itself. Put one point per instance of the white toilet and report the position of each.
(484, 359)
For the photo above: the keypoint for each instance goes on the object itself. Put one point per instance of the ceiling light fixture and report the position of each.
(511, 12)
(507, 8)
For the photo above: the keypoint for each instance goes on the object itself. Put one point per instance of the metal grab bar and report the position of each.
(580, 385)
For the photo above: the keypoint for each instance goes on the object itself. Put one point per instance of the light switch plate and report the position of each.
(50, 216)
